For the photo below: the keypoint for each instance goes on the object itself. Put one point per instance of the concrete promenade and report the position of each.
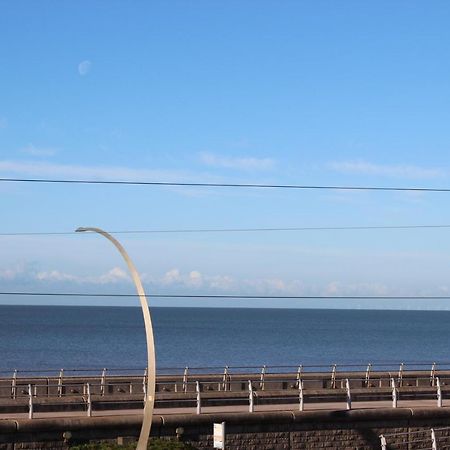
(328, 406)
(263, 411)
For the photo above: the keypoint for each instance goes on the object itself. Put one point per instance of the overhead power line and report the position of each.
(226, 185)
(235, 230)
(232, 296)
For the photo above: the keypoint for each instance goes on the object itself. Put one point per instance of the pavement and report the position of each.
(331, 406)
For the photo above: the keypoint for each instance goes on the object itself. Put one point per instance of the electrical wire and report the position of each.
(236, 230)
(231, 296)
(227, 185)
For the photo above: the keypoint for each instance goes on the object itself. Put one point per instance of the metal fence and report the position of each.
(291, 387)
(381, 366)
(432, 439)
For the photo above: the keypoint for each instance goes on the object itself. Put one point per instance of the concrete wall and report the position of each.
(333, 430)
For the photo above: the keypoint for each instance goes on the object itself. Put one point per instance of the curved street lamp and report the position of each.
(151, 375)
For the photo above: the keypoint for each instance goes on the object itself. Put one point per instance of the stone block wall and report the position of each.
(326, 430)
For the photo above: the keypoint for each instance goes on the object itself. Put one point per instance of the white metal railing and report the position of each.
(199, 398)
(88, 400)
(13, 385)
(203, 392)
(427, 439)
(251, 397)
(369, 368)
(60, 382)
(394, 393)
(374, 374)
(344, 382)
(47, 389)
(401, 367)
(30, 402)
(263, 375)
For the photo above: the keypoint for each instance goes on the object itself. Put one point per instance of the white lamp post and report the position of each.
(151, 375)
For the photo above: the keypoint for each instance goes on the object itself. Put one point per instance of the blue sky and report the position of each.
(321, 92)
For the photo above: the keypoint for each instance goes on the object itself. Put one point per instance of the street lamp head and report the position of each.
(81, 229)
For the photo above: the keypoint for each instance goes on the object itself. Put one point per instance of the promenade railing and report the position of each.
(342, 386)
(432, 439)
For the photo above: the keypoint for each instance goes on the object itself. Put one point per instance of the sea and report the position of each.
(48, 338)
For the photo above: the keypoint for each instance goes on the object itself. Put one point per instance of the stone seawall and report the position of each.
(333, 430)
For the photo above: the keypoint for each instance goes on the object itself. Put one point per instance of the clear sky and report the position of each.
(308, 92)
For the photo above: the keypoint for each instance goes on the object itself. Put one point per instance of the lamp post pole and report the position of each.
(151, 372)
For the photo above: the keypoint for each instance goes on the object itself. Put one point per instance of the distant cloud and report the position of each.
(46, 169)
(3, 123)
(9, 274)
(195, 282)
(387, 170)
(240, 163)
(113, 276)
(338, 289)
(22, 271)
(54, 275)
(32, 150)
(84, 67)
(174, 277)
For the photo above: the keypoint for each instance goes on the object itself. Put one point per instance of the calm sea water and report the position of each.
(42, 337)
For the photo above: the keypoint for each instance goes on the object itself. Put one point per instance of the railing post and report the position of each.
(299, 374)
(400, 374)
(263, 375)
(199, 399)
(394, 394)
(369, 367)
(383, 442)
(60, 382)
(433, 374)
(30, 402)
(225, 379)
(89, 400)
(185, 379)
(14, 385)
(349, 395)
(300, 396)
(333, 376)
(439, 392)
(251, 400)
(103, 382)
(433, 440)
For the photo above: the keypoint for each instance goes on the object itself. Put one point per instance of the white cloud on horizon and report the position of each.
(386, 170)
(9, 274)
(19, 271)
(113, 276)
(240, 163)
(194, 282)
(54, 275)
(335, 288)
